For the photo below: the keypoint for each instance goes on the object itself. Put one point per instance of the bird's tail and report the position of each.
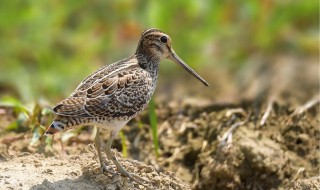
(54, 127)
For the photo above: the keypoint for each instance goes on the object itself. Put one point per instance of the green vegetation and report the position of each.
(48, 47)
(154, 127)
(124, 144)
(33, 116)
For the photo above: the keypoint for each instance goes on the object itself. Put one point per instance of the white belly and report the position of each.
(115, 125)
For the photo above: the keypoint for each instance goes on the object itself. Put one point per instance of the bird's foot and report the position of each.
(133, 177)
(105, 169)
(136, 178)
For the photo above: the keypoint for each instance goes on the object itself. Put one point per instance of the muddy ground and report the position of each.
(195, 150)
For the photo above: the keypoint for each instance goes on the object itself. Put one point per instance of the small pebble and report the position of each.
(100, 177)
(73, 174)
(148, 169)
(116, 178)
(49, 171)
(149, 175)
(157, 180)
(130, 169)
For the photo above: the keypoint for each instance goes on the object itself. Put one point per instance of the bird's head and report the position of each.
(156, 45)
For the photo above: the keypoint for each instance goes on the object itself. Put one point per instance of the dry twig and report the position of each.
(268, 111)
(299, 110)
(227, 136)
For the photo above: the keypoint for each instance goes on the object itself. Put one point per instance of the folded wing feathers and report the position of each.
(90, 98)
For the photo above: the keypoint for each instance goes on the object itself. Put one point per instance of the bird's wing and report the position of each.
(103, 73)
(124, 98)
(106, 95)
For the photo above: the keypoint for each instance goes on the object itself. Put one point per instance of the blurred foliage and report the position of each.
(48, 47)
(29, 117)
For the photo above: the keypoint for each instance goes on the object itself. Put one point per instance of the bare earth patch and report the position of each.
(35, 171)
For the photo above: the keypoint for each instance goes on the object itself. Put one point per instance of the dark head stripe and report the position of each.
(150, 31)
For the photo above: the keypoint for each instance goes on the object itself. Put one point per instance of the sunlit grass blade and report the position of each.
(154, 127)
(124, 144)
(36, 136)
(16, 104)
(48, 142)
(140, 124)
(66, 136)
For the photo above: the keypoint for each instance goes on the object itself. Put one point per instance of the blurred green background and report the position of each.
(48, 47)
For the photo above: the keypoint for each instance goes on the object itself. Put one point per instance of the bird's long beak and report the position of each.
(175, 58)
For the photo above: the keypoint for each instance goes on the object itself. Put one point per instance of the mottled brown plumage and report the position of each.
(116, 93)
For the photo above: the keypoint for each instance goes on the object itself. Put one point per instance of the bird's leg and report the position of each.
(123, 171)
(97, 143)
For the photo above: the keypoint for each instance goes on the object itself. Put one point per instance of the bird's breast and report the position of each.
(131, 100)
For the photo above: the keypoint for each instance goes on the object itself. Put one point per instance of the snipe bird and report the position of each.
(116, 93)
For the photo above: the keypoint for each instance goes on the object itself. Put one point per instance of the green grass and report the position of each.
(28, 118)
(154, 127)
(124, 144)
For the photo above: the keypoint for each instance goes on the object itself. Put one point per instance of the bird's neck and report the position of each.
(149, 63)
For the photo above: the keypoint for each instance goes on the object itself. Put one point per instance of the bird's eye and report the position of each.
(163, 39)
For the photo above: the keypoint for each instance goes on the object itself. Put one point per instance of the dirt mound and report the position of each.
(306, 184)
(268, 157)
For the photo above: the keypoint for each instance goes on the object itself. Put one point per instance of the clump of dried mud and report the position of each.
(306, 184)
(268, 157)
